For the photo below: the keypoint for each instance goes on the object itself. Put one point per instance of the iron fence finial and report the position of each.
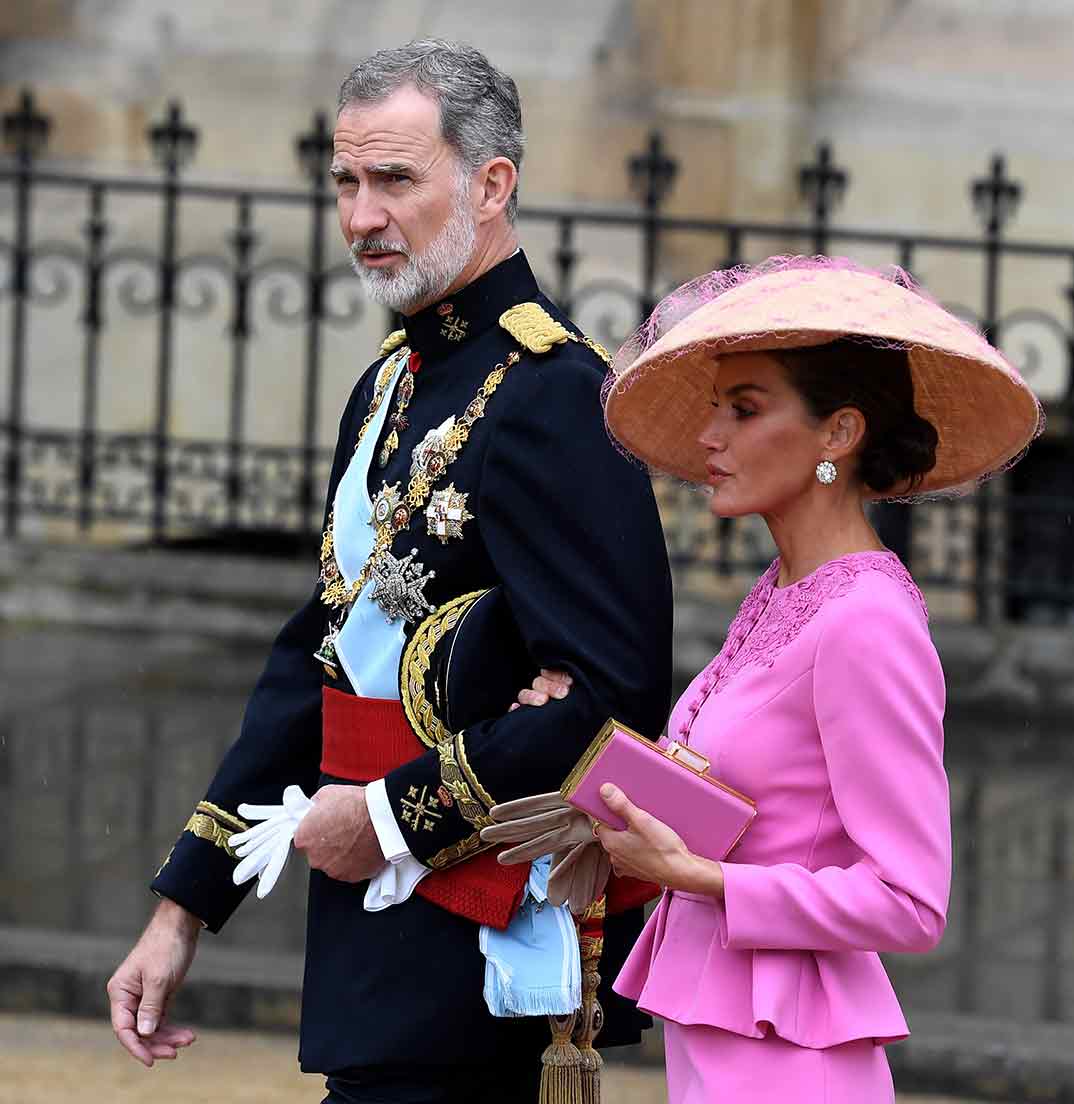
(173, 140)
(995, 197)
(26, 129)
(315, 147)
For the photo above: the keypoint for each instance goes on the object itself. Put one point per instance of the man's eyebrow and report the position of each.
(390, 168)
(339, 171)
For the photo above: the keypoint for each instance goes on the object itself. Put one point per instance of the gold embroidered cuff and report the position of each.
(457, 777)
(482, 794)
(215, 825)
(449, 856)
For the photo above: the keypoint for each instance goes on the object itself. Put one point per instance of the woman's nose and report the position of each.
(711, 437)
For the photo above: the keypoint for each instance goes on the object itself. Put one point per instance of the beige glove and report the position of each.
(579, 876)
(546, 825)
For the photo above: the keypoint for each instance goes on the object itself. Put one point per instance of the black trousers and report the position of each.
(491, 1084)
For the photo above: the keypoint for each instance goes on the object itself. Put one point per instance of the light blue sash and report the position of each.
(368, 647)
(534, 967)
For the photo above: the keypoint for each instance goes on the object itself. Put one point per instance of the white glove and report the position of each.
(264, 848)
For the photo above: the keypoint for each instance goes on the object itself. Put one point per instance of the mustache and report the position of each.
(378, 245)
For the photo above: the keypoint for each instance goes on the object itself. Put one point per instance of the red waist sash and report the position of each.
(364, 739)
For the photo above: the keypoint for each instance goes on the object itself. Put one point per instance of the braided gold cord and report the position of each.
(533, 327)
(392, 342)
(417, 657)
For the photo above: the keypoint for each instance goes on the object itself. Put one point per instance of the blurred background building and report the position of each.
(179, 330)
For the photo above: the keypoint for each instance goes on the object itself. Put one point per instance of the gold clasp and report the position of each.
(687, 757)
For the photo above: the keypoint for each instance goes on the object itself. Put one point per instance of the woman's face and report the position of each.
(763, 445)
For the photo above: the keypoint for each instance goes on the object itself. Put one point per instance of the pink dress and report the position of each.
(825, 705)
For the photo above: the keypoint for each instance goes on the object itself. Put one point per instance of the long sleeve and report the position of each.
(279, 743)
(571, 529)
(878, 693)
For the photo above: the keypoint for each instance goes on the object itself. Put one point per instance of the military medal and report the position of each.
(446, 513)
(326, 653)
(398, 420)
(399, 587)
(430, 457)
(388, 506)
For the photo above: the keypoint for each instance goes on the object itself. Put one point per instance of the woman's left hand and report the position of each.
(648, 849)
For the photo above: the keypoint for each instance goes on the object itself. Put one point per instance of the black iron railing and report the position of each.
(1009, 553)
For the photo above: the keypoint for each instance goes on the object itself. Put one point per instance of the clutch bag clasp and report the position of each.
(687, 757)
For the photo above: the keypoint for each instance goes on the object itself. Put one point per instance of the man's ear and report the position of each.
(496, 180)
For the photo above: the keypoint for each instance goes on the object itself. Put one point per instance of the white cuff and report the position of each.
(384, 824)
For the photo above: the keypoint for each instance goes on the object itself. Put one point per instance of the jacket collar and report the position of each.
(449, 325)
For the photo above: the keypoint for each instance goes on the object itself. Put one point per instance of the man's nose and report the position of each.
(368, 217)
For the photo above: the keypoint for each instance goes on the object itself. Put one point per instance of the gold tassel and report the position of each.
(561, 1064)
(590, 1021)
(591, 1017)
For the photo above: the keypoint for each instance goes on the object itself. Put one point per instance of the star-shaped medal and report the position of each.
(385, 504)
(446, 513)
(399, 587)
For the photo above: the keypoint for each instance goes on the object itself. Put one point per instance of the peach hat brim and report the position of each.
(984, 413)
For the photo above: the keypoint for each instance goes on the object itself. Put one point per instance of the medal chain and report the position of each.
(383, 379)
(399, 421)
(434, 464)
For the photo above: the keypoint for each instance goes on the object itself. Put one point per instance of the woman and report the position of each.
(799, 391)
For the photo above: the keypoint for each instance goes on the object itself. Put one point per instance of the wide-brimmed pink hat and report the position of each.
(658, 394)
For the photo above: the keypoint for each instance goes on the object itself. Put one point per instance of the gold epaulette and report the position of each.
(537, 331)
(392, 342)
(534, 328)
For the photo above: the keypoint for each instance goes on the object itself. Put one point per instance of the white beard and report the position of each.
(425, 276)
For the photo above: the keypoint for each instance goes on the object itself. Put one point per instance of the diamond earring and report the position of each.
(826, 472)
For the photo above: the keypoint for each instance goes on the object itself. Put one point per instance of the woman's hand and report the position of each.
(548, 684)
(648, 849)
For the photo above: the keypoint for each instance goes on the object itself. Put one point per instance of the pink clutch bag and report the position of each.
(672, 783)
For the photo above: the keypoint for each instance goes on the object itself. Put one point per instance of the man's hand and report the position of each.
(338, 837)
(140, 990)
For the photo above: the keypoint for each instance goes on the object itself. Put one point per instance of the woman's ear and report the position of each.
(845, 432)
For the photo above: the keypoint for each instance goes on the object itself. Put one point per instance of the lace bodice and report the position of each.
(771, 617)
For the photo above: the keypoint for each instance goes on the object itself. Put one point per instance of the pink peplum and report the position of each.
(825, 705)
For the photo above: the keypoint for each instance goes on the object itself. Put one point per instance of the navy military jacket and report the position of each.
(569, 528)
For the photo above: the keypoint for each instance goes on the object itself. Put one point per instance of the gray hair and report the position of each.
(480, 113)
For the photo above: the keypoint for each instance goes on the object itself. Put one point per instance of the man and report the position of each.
(472, 459)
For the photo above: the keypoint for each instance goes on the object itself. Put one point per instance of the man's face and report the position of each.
(403, 199)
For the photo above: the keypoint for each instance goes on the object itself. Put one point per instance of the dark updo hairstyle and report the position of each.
(900, 445)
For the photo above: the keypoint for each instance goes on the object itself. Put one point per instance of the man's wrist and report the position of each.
(170, 914)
